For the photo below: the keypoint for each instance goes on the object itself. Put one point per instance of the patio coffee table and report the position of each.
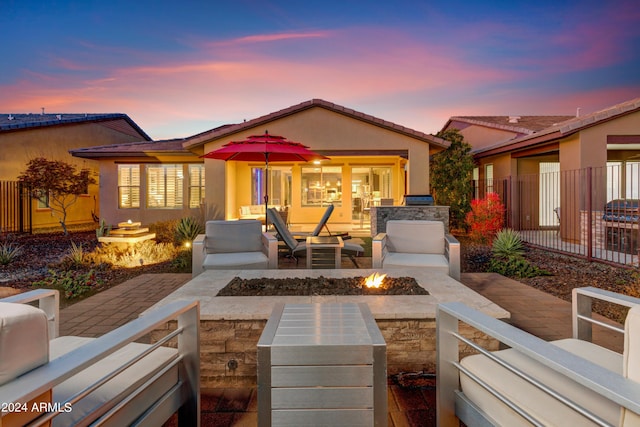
(324, 251)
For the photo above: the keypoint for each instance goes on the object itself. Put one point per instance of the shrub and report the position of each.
(9, 251)
(103, 230)
(182, 262)
(515, 267)
(508, 251)
(507, 244)
(72, 283)
(147, 252)
(188, 229)
(75, 257)
(165, 230)
(486, 218)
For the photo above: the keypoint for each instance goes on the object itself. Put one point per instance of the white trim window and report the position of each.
(165, 186)
(196, 185)
(128, 186)
(488, 178)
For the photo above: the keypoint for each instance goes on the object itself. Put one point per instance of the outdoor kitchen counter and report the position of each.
(440, 286)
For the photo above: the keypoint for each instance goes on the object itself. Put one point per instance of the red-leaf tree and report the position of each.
(56, 184)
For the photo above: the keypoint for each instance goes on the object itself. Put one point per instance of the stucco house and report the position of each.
(541, 165)
(370, 159)
(27, 136)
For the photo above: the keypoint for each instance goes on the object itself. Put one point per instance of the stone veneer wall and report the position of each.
(381, 214)
(411, 347)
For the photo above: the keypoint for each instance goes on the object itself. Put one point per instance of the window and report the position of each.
(632, 181)
(128, 186)
(164, 186)
(279, 185)
(476, 183)
(43, 200)
(196, 185)
(488, 177)
(322, 186)
(614, 174)
(549, 194)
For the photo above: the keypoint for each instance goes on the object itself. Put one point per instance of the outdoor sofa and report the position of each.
(110, 380)
(568, 382)
(252, 212)
(230, 245)
(416, 243)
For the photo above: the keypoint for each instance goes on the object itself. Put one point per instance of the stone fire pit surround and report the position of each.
(231, 326)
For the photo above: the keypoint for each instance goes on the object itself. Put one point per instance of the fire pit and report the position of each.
(375, 284)
(230, 326)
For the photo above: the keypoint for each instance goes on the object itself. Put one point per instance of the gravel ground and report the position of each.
(43, 251)
(565, 273)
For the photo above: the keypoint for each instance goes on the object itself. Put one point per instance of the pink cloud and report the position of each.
(415, 83)
(262, 38)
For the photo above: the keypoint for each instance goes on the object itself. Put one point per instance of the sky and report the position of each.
(178, 68)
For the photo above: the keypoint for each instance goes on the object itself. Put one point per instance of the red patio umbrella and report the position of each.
(270, 148)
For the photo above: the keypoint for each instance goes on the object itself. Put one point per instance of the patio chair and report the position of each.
(568, 382)
(296, 247)
(111, 380)
(416, 243)
(322, 224)
(231, 245)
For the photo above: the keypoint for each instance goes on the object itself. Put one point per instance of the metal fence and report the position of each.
(591, 213)
(15, 208)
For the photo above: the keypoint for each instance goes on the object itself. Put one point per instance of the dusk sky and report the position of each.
(178, 68)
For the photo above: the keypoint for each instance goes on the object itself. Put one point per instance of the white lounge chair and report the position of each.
(111, 380)
(416, 243)
(569, 382)
(230, 245)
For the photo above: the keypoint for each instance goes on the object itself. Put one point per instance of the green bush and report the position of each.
(508, 260)
(165, 230)
(72, 283)
(9, 251)
(182, 262)
(76, 256)
(188, 229)
(515, 267)
(507, 244)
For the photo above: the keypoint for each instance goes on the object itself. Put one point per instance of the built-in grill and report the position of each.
(418, 200)
(622, 210)
(621, 218)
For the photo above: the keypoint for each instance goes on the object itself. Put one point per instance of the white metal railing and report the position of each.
(454, 405)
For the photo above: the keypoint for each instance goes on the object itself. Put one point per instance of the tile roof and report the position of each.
(200, 139)
(564, 129)
(134, 149)
(518, 124)
(14, 122)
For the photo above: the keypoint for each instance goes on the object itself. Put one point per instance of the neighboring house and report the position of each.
(370, 159)
(542, 172)
(484, 131)
(27, 136)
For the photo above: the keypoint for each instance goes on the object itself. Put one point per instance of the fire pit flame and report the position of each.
(374, 280)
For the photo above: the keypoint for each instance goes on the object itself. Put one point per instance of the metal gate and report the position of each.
(15, 208)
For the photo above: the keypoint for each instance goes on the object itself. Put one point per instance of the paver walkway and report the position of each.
(532, 310)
